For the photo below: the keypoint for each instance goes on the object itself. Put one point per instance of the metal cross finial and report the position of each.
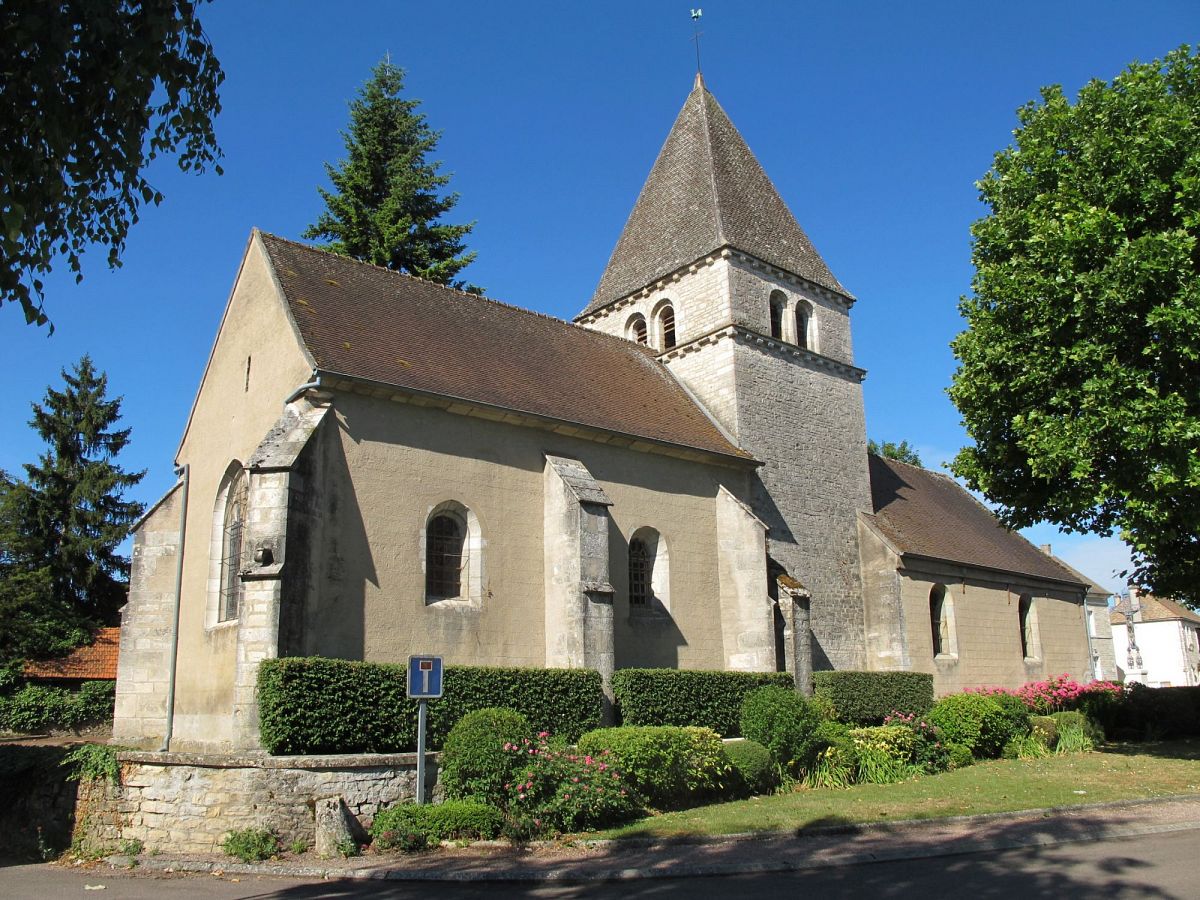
(696, 32)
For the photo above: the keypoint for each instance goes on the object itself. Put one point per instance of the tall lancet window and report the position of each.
(778, 303)
(233, 549)
(444, 539)
(802, 319)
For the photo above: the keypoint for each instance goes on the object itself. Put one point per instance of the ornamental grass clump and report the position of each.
(556, 790)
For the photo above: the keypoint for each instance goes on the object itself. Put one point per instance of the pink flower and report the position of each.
(543, 734)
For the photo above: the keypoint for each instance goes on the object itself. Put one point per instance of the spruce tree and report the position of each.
(69, 515)
(387, 198)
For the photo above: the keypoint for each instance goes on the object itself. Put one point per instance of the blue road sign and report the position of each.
(424, 677)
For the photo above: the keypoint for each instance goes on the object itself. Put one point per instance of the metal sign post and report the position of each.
(424, 683)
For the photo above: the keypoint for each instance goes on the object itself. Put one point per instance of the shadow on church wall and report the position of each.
(325, 596)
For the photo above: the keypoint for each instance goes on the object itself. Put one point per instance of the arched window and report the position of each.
(1027, 614)
(778, 303)
(666, 326)
(649, 572)
(635, 329)
(639, 574)
(941, 621)
(453, 550)
(233, 547)
(803, 317)
(445, 536)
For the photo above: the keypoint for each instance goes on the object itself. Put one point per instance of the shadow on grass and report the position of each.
(1183, 748)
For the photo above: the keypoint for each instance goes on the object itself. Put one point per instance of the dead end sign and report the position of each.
(424, 677)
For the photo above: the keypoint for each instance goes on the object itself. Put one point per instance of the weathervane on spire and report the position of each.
(696, 32)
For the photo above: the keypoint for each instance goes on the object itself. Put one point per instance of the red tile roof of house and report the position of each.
(96, 661)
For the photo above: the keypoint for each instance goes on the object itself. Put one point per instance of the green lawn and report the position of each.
(1119, 772)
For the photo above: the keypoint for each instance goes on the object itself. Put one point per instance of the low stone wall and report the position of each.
(186, 803)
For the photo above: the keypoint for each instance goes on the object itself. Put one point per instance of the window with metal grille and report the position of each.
(639, 574)
(444, 539)
(666, 321)
(233, 550)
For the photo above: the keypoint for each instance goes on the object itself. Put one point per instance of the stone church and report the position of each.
(376, 466)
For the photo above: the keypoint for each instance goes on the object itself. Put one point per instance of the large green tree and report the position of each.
(62, 527)
(387, 199)
(1079, 371)
(90, 93)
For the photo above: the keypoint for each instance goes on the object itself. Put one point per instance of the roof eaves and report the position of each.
(740, 458)
(906, 554)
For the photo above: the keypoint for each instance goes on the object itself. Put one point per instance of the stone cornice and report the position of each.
(747, 337)
(727, 252)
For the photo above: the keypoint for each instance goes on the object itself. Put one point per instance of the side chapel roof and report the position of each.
(706, 191)
(928, 514)
(371, 323)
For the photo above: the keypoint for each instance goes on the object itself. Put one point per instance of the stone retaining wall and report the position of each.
(186, 803)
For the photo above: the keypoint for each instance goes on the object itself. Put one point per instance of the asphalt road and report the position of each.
(1154, 866)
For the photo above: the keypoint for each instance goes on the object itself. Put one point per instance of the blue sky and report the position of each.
(873, 119)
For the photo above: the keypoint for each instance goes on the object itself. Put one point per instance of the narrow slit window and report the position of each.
(801, 326)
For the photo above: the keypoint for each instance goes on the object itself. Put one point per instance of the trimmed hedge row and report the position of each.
(316, 705)
(687, 697)
(866, 698)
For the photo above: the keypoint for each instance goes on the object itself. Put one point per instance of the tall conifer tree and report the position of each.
(387, 198)
(64, 524)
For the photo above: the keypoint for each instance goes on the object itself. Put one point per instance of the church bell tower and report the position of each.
(714, 272)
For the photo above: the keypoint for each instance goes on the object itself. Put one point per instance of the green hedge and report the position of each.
(1147, 713)
(316, 705)
(866, 698)
(36, 707)
(686, 697)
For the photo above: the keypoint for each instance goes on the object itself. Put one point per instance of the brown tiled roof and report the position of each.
(97, 661)
(706, 191)
(1154, 609)
(928, 514)
(372, 323)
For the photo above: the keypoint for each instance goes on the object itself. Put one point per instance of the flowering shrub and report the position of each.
(929, 751)
(1058, 693)
(557, 790)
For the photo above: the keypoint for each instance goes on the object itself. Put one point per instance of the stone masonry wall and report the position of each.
(187, 803)
(144, 660)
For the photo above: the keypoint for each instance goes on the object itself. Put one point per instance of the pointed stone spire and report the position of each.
(706, 191)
